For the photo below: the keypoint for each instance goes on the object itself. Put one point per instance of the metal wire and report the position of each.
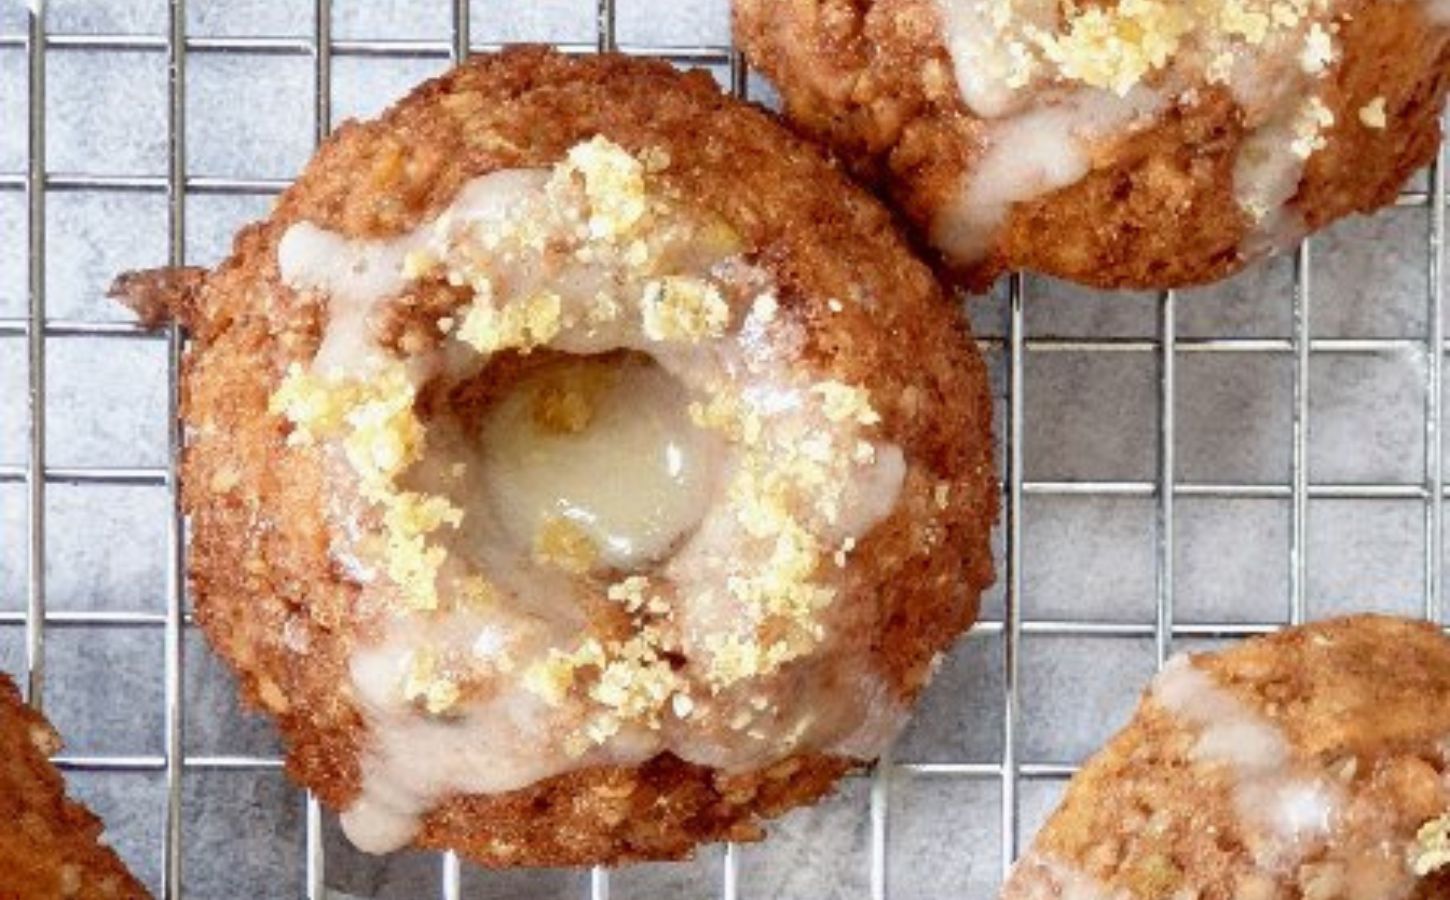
(171, 837)
(35, 346)
(1017, 347)
(1299, 454)
(1012, 611)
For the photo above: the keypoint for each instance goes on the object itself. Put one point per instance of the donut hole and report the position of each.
(585, 463)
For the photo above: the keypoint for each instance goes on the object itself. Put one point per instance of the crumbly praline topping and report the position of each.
(1122, 45)
(381, 435)
(1432, 847)
(601, 207)
(1057, 84)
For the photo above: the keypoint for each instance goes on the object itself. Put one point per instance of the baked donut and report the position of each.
(579, 467)
(1310, 765)
(1116, 143)
(50, 846)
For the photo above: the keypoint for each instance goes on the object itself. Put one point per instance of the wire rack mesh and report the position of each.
(1014, 342)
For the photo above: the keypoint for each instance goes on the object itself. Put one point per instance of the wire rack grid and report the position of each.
(1010, 349)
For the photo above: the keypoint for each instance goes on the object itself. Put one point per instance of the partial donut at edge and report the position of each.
(50, 845)
(873, 80)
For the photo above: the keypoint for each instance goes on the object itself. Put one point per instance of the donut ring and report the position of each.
(50, 845)
(1314, 763)
(1142, 144)
(538, 646)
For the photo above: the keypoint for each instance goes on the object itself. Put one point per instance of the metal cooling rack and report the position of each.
(1010, 771)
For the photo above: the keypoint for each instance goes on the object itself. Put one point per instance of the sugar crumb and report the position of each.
(1432, 847)
(683, 309)
(562, 543)
(1373, 114)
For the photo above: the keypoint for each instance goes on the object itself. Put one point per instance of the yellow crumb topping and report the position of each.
(1309, 127)
(1318, 52)
(632, 683)
(786, 488)
(553, 677)
(1117, 47)
(426, 685)
(523, 325)
(844, 402)
(419, 263)
(1432, 847)
(724, 413)
(631, 593)
(636, 682)
(315, 406)
(1114, 48)
(477, 591)
(381, 436)
(563, 409)
(412, 562)
(683, 309)
(1373, 114)
(614, 182)
(562, 543)
(567, 400)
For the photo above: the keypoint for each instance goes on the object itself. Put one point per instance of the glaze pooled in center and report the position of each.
(650, 520)
(599, 452)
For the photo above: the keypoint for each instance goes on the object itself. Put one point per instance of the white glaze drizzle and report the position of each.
(988, 71)
(1046, 100)
(504, 736)
(1033, 153)
(1289, 812)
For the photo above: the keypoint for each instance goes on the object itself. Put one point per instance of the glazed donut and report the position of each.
(1116, 143)
(579, 468)
(50, 846)
(1310, 765)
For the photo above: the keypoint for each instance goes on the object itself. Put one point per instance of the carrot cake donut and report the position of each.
(1117, 143)
(579, 467)
(1310, 765)
(50, 846)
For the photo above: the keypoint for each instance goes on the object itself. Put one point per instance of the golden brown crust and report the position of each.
(872, 79)
(158, 295)
(275, 604)
(50, 846)
(1365, 699)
